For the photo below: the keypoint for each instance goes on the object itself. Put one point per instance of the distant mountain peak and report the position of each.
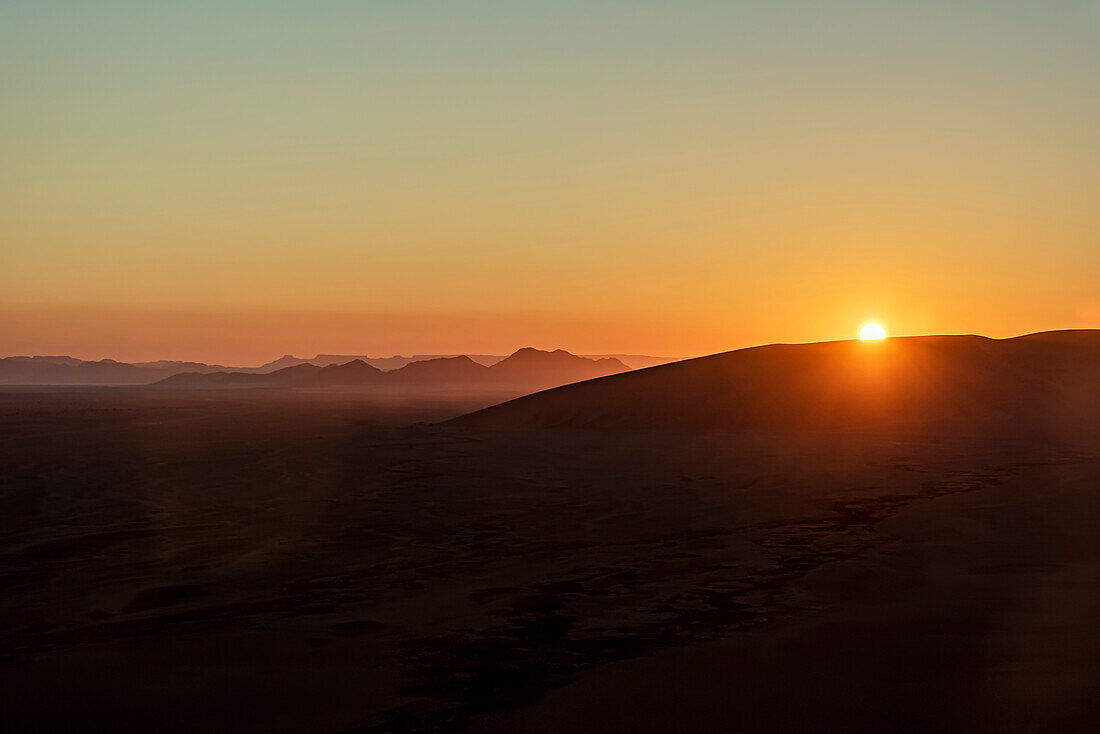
(530, 365)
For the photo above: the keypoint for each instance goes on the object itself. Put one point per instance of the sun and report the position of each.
(872, 331)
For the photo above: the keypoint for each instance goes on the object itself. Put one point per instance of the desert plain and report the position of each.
(338, 561)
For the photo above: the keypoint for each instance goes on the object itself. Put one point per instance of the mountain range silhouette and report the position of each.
(446, 369)
(527, 368)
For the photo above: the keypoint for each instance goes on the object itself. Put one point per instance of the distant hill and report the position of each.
(69, 371)
(529, 369)
(632, 361)
(441, 371)
(356, 372)
(175, 365)
(43, 360)
(66, 370)
(529, 366)
(287, 360)
(42, 370)
(382, 363)
(1032, 385)
(635, 361)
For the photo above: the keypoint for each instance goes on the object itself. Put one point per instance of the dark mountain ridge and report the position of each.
(527, 368)
(66, 370)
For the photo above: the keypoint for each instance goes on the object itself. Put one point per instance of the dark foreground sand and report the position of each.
(972, 612)
(200, 562)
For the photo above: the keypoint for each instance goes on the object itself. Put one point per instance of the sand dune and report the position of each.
(1049, 382)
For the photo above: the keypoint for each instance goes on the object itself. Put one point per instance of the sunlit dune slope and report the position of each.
(1046, 383)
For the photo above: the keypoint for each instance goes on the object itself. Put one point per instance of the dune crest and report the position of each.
(1045, 381)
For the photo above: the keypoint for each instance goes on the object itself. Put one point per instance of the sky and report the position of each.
(232, 181)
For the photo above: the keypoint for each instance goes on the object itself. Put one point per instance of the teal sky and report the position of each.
(665, 177)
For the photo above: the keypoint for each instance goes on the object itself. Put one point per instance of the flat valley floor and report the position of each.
(259, 561)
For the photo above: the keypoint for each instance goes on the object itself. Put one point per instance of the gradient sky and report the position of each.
(230, 181)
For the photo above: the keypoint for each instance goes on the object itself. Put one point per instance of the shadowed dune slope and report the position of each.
(1045, 383)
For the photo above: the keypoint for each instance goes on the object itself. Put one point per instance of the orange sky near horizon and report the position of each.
(229, 182)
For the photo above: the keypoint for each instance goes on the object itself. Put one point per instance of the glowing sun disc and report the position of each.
(872, 331)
